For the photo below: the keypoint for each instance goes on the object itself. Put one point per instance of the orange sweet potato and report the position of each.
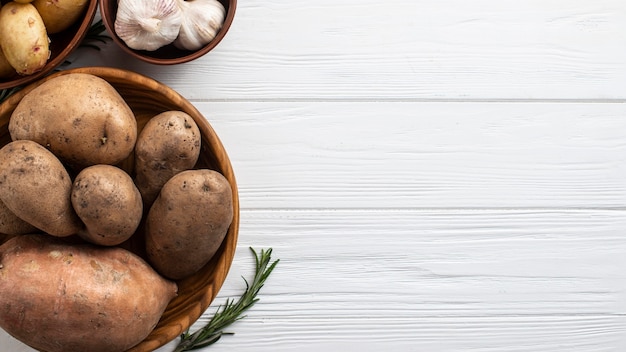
(60, 297)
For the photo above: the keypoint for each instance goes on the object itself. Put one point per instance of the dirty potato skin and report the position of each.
(168, 144)
(107, 201)
(57, 297)
(187, 222)
(36, 187)
(4, 237)
(11, 224)
(24, 39)
(80, 117)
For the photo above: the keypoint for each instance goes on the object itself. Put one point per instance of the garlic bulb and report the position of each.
(202, 19)
(148, 24)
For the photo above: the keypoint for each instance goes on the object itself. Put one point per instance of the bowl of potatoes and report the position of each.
(36, 36)
(119, 212)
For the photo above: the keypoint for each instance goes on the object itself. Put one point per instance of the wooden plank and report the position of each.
(406, 50)
(424, 155)
(491, 280)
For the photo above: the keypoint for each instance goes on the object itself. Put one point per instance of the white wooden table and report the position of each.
(434, 175)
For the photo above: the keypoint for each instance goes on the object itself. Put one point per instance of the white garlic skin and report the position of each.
(202, 19)
(148, 24)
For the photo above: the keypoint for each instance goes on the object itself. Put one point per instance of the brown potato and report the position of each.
(24, 38)
(168, 144)
(6, 70)
(11, 224)
(60, 297)
(80, 117)
(58, 15)
(188, 221)
(36, 187)
(4, 237)
(107, 201)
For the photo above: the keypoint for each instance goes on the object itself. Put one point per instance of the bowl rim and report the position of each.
(109, 25)
(55, 62)
(169, 328)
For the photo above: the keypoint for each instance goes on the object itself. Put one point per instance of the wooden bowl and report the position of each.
(169, 54)
(147, 98)
(62, 44)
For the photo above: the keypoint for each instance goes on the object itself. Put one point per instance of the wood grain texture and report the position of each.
(435, 175)
(496, 263)
(407, 50)
(441, 280)
(383, 155)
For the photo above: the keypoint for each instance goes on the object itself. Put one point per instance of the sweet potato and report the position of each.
(58, 297)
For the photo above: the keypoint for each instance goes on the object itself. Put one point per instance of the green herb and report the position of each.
(5, 93)
(94, 34)
(231, 311)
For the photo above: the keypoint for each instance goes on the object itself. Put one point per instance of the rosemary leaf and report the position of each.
(232, 310)
(95, 34)
(5, 93)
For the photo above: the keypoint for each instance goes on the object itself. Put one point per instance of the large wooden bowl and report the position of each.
(147, 98)
(62, 44)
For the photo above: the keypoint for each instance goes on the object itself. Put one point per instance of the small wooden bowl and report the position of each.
(62, 44)
(169, 54)
(147, 98)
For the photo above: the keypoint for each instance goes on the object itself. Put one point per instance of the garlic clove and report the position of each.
(148, 24)
(202, 19)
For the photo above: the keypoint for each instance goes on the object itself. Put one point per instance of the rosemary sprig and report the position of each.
(95, 34)
(231, 311)
(5, 93)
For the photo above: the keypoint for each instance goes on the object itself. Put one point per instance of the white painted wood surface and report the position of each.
(434, 175)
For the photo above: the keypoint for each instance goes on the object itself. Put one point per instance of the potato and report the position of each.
(4, 237)
(58, 15)
(36, 187)
(107, 201)
(6, 70)
(187, 222)
(24, 38)
(80, 117)
(60, 297)
(11, 224)
(168, 144)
